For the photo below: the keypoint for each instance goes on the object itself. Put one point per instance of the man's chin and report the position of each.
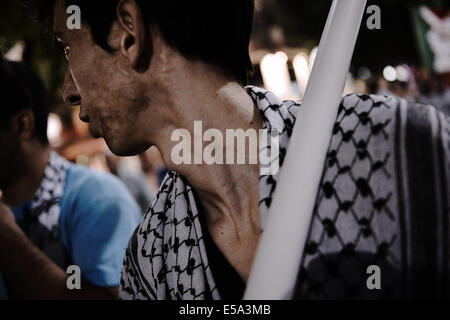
(94, 133)
(125, 149)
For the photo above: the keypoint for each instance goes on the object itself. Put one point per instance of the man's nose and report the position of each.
(70, 91)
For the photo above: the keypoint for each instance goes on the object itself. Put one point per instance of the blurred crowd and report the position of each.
(420, 85)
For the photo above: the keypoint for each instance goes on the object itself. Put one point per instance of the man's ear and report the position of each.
(135, 40)
(22, 125)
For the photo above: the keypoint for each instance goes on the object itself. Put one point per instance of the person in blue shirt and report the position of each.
(54, 214)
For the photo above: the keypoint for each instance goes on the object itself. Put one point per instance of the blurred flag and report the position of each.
(433, 35)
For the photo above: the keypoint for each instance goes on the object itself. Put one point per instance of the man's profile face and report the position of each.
(102, 84)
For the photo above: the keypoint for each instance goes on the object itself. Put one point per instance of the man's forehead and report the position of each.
(59, 17)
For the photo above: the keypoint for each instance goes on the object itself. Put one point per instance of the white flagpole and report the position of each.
(279, 253)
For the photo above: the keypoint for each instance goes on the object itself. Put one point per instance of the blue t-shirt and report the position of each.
(97, 218)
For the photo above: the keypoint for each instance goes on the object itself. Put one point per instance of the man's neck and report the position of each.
(228, 193)
(26, 184)
(227, 189)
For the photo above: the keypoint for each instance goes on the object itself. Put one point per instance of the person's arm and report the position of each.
(30, 274)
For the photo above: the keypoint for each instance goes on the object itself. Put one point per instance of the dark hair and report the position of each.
(21, 89)
(216, 32)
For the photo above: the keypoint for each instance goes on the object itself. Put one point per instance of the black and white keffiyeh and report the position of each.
(46, 201)
(383, 200)
(40, 221)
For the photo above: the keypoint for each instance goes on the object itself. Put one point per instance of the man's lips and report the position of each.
(83, 116)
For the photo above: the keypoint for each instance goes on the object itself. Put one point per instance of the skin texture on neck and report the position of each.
(229, 194)
(28, 179)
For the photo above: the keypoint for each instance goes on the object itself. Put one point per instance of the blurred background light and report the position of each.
(275, 74)
(54, 129)
(364, 73)
(389, 73)
(302, 71)
(402, 73)
(16, 52)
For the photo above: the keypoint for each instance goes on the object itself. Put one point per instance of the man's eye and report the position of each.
(64, 48)
(67, 52)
